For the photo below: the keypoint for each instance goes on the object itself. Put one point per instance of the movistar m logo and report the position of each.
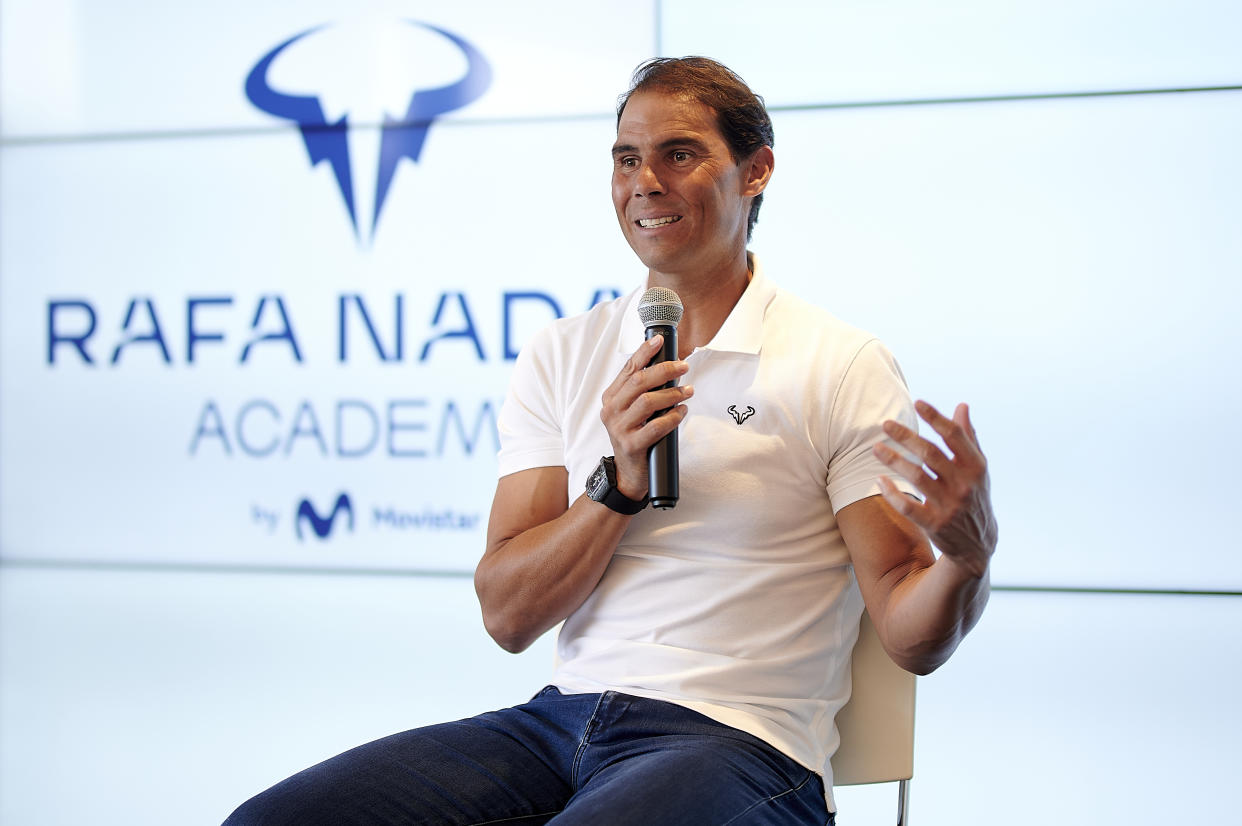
(401, 137)
(321, 525)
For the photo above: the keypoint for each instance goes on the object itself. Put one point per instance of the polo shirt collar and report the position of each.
(742, 331)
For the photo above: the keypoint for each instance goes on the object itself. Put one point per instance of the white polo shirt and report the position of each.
(740, 603)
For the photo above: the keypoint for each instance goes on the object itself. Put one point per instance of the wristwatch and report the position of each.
(601, 486)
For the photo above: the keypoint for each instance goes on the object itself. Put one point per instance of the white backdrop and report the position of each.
(1018, 200)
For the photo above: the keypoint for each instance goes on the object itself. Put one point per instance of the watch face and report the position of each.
(597, 483)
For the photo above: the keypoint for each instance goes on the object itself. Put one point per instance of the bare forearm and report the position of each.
(544, 555)
(929, 606)
(931, 611)
(528, 583)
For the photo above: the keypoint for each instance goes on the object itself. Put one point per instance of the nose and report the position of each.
(646, 182)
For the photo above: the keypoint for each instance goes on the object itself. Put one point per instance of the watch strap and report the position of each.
(612, 498)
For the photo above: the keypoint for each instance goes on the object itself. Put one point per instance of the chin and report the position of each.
(657, 260)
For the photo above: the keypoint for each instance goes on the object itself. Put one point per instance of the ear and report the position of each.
(758, 170)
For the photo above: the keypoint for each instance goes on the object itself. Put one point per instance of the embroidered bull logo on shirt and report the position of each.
(740, 416)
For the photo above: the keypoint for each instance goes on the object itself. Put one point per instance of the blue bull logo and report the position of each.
(401, 137)
(322, 526)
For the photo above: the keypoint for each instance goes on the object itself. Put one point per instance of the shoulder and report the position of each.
(601, 316)
(561, 353)
(795, 325)
(572, 334)
(851, 367)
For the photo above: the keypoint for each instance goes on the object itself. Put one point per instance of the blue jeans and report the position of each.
(598, 759)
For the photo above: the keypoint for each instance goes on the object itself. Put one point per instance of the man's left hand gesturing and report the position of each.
(957, 509)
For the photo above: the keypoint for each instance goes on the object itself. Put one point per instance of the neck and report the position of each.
(708, 298)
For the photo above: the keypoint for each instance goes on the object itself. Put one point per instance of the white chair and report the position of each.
(877, 724)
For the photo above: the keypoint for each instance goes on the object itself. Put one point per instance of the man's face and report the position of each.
(681, 199)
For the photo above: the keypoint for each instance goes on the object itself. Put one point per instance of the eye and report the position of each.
(681, 156)
(627, 162)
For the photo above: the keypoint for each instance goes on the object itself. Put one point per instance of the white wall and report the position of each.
(975, 183)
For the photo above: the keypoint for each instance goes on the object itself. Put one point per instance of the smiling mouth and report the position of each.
(647, 223)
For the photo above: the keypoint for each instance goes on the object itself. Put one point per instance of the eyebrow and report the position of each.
(694, 143)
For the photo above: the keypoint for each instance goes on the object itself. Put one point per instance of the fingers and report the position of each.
(904, 466)
(956, 511)
(901, 502)
(647, 432)
(958, 434)
(925, 451)
(961, 415)
(635, 364)
(638, 392)
(637, 378)
(636, 395)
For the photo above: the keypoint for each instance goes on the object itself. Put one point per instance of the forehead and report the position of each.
(656, 116)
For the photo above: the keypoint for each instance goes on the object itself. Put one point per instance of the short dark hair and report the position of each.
(740, 114)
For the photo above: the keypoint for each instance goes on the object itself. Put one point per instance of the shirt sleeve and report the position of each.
(530, 418)
(872, 391)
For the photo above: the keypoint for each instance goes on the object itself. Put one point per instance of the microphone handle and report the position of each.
(662, 468)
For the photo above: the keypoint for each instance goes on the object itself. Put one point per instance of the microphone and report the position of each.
(661, 309)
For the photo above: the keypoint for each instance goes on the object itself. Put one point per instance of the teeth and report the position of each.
(658, 222)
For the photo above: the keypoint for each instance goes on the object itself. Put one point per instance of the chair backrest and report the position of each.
(877, 724)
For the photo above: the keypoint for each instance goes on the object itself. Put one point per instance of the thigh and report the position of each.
(688, 769)
(705, 787)
(504, 765)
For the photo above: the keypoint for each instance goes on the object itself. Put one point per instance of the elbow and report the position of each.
(920, 665)
(502, 623)
(506, 634)
(922, 642)
(925, 656)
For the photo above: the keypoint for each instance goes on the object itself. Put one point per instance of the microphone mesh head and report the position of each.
(660, 305)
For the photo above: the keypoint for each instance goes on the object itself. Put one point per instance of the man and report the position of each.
(705, 649)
